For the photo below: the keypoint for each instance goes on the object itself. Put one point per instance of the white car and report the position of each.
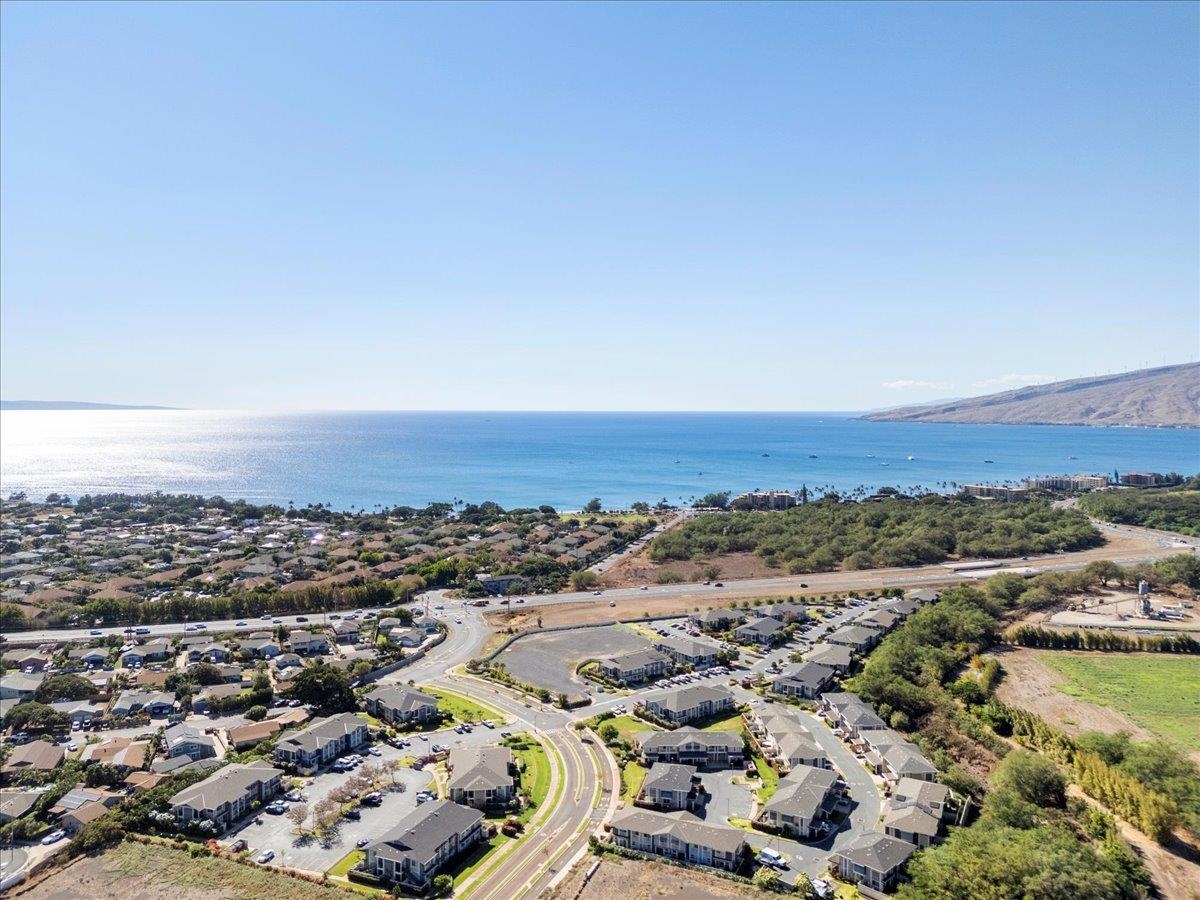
(265, 857)
(53, 838)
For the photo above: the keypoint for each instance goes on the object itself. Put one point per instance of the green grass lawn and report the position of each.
(1160, 692)
(631, 781)
(731, 722)
(478, 857)
(535, 779)
(769, 778)
(346, 863)
(464, 709)
(628, 726)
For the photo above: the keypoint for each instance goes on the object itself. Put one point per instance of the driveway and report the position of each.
(726, 798)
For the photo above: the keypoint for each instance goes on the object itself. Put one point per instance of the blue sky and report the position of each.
(399, 206)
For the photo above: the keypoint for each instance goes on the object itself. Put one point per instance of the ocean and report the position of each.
(367, 459)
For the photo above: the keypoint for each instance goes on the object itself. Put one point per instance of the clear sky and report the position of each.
(619, 206)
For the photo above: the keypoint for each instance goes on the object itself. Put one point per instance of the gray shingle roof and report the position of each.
(421, 832)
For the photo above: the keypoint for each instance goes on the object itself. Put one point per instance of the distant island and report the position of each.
(1168, 396)
(70, 404)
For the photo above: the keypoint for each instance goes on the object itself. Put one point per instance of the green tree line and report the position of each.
(895, 531)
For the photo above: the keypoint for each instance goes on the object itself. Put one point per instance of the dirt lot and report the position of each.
(600, 611)
(549, 660)
(132, 871)
(638, 569)
(1031, 685)
(637, 880)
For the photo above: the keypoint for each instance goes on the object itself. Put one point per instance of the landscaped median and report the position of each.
(554, 784)
(463, 708)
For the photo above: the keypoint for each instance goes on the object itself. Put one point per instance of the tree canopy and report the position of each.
(894, 531)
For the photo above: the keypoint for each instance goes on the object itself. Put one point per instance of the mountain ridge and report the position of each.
(1166, 396)
(72, 405)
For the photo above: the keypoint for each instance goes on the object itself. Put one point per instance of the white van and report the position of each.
(769, 857)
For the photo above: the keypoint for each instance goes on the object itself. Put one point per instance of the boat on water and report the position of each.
(989, 460)
(885, 464)
(910, 456)
(766, 454)
(812, 456)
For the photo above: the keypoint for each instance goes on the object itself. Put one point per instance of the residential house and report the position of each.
(873, 859)
(209, 653)
(912, 823)
(153, 703)
(635, 666)
(322, 742)
(226, 795)
(423, 843)
(81, 711)
(14, 804)
(695, 701)
(308, 643)
(786, 612)
(760, 631)
(288, 661)
(785, 741)
(928, 794)
(261, 645)
(399, 704)
(680, 836)
(805, 680)
(89, 657)
(407, 637)
(118, 751)
(838, 658)
(850, 714)
(893, 757)
(715, 619)
(243, 737)
(72, 822)
(481, 777)
(182, 739)
(671, 786)
(857, 638)
(687, 652)
(156, 650)
(346, 632)
(691, 746)
(203, 702)
(20, 685)
(36, 756)
(803, 797)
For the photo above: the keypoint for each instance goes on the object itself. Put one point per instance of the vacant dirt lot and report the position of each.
(1033, 686)
(600, 611)
(638, 569)
(142, 872)
(637, 880)
(549, 660)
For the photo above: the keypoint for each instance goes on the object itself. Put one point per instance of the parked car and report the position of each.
(53, 837)
(361, 842)
(239, 845)
(265, 857)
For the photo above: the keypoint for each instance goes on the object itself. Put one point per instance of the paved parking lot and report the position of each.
(549, 660)
(727, 798)
(276, 832)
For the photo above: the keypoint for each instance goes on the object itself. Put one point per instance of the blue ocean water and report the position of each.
(357, 459)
